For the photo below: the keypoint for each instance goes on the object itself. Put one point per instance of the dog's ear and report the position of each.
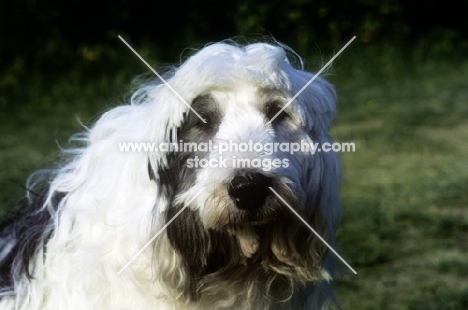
(321, 175)
(322, 208)
(321, 181)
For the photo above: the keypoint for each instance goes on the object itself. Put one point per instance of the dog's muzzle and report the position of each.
(249, 191)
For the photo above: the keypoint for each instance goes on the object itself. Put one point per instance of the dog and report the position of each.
(195, 228)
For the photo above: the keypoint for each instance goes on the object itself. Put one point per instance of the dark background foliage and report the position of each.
(52, 35)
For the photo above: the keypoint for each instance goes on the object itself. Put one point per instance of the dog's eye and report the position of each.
(205, 106)
(202, 125)
(272, 110)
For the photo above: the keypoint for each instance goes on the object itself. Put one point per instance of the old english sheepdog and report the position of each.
(201, 226)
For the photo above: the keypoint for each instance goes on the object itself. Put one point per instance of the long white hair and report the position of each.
(88, 217)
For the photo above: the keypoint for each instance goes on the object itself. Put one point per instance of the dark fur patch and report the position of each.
(175, 176)
(204, 252)
(30, 227)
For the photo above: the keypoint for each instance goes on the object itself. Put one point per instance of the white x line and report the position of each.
(162, 79)
(159, 232)
(312, 79)
(310, 227)
(195, 112)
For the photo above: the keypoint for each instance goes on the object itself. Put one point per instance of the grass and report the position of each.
(405, 221)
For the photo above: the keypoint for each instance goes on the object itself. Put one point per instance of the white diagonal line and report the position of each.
(312, 79)
(159, 232)
(310, 227)
(162, 79)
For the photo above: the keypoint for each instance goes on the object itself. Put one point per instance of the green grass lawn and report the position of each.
(404, 195)
(405, 219)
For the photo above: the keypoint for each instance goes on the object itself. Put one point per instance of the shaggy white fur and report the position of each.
(235, 247)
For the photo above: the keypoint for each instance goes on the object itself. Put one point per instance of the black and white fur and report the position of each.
(236, 246)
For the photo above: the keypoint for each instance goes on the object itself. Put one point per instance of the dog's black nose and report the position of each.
(249, 191)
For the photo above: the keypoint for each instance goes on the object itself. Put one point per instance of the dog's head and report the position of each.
(225, 159)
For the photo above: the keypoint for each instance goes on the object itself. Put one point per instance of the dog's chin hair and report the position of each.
(272, 260)
(270, 276)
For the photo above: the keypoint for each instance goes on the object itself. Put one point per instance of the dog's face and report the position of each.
(237, 178)
(243, 150)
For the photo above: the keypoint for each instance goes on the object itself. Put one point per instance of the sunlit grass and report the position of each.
(405, 222)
